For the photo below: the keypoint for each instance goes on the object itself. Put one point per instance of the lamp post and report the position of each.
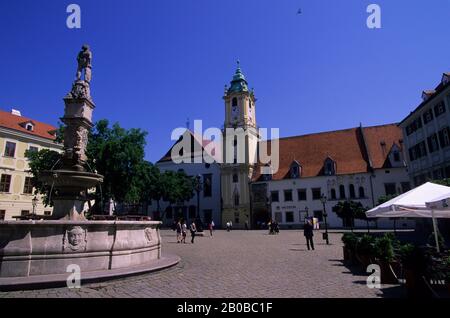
(198, 188)
(34, 203)
(323, 199)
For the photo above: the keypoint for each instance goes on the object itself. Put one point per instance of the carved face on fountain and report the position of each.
(76, 237)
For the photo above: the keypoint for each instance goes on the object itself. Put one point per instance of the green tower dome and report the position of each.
(238, 84)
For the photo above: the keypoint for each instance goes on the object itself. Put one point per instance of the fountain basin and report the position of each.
(71, 178)
(43, 251)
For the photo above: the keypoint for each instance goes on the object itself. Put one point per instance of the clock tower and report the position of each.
(240, 145)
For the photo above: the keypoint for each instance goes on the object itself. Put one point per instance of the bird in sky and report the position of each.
(299, 11)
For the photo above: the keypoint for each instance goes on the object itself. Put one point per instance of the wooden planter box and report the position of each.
(364, 259)
(349, 256)
(388, 276)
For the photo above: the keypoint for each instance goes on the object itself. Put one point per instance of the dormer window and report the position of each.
(445, 78)
(427, 94)
(396, 156)
(295, 170)
(28, 125)
(329, 167)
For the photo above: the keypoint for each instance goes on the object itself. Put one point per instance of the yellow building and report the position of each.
(18, 134)
(240, 135)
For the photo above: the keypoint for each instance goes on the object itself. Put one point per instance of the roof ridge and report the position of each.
(334, 131)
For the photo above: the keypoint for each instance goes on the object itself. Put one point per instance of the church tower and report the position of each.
(240, 145)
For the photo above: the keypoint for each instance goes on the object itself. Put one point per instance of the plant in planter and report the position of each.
(350, 241)
(365, 250)
(432, 240)
(384, 253)
(414, 263)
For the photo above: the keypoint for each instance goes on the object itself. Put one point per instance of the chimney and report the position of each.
(16, 112)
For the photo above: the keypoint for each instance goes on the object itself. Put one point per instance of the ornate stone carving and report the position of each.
(80, 89)
(148, 234)
(75, 239)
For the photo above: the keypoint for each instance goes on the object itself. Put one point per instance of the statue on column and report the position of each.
(84, 60)
(81, 87)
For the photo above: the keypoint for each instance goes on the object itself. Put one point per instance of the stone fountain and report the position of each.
(45, 251)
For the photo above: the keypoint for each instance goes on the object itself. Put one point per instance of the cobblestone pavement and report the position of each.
(238, 264)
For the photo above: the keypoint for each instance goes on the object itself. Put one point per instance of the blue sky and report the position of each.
(157, 63)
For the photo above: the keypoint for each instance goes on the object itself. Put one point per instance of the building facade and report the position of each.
(17, 135)
(197, 161)
(426, 134)
(359, 164)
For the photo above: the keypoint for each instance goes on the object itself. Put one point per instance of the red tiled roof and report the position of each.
(346, 147)
(15, 122)
(379, 140)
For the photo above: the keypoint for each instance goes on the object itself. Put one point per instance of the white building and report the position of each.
(426, 132)
(210, 202)
(359, 164)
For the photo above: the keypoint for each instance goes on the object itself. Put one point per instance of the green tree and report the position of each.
(176, 187)
(350, 210)
(118, 155)
(386, 198)
(40, 161)
(444, 182)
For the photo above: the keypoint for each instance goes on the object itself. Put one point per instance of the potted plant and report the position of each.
(365, 250)
(413, 260)
(350, 241)
(384, 253)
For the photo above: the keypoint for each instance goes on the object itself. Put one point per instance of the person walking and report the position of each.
(211, 228)
(308, 232)
(228, 226)
(193, 229)
(179, 231)
(184, 231)
(246, 225)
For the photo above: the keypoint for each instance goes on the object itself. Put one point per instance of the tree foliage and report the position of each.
(350, 210)
(40, 161)
(385, 198)
(118, 155)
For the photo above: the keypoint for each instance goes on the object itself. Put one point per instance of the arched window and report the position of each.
(236, 199)
(352, 191)
(333, 194)
(361, 192)
(234, 102)
(235, 178)
(342, 191)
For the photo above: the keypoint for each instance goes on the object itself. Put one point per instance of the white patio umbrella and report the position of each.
(412, 204)
(440, 208)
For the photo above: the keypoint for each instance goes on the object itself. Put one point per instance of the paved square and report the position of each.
(238, 264)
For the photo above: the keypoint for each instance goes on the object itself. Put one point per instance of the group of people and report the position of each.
(273, 227)
(181, 229)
